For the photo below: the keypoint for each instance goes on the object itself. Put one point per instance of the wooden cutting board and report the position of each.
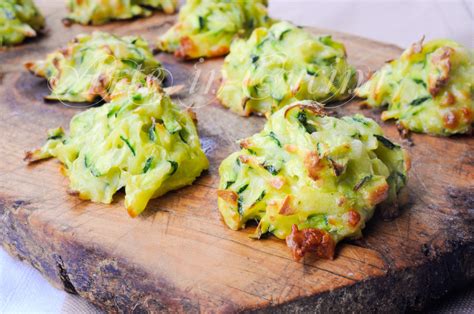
(178, 255)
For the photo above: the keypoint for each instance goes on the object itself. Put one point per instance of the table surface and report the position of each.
(22, 288)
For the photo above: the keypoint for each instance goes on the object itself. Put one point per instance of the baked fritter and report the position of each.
(429, 89)
(311, 179)
(206, 28)
(19, 19)
(283, 64)
(140, 140)
(91, 65)
(98, 12)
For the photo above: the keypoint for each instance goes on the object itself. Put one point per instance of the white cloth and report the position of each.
(23, 289)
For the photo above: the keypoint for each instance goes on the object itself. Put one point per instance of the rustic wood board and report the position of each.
(179, 255)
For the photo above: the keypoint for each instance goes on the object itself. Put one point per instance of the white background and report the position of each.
(22, 289)
(396, 22)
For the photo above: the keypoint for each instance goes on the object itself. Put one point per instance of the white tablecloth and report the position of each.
(23, 289)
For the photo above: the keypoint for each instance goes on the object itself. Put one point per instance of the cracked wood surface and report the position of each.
(179, 255)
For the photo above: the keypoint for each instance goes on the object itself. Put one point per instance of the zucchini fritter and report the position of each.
(140, 141)
(429, 89)
(283, 64)
(91, 65)
(311, 179)
(206, 28)
(98, 12)
(19, 19)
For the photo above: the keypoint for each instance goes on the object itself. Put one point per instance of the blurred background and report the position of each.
(396, 22)
(23, 289)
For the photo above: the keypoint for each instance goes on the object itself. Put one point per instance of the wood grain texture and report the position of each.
(178, 255)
